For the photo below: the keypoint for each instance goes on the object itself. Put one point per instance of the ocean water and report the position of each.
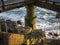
(45, 18)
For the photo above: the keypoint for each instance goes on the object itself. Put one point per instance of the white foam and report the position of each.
(20, 13)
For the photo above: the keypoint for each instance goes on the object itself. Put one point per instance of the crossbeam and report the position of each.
(9, 4)
(48, 5)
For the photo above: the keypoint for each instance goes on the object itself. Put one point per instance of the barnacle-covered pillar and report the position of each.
(30, 19)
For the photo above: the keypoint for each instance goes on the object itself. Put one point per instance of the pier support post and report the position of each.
(0, 27)
(58, 15)
(3, 6)
(6, 27)
(30, 19)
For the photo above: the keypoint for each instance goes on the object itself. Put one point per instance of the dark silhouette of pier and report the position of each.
(9, 4)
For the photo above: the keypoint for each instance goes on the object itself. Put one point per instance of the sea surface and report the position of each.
(46, 19)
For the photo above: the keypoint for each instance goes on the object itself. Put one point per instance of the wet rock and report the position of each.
(12, 26)
(10, 31)
(0, 11)
(50, 33)
(19, 22)
(2, 20)
(58, 15)
(24, 30)
(8, 20)
(3, 25)
(55, 34)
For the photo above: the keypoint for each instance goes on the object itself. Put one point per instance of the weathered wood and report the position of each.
(0, 27)
(48, 5)
(6, 27)
(30, 19)
(3, 6)
(12, 4)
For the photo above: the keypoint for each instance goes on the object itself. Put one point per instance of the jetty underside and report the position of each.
(8, 5)
(27, 36)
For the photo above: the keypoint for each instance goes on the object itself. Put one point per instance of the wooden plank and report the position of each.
(15, 4)
(48, 6)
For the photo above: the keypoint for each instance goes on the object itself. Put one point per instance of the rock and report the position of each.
(50, 33)
(56, 34)
(3, 25)
(2, 20)
(19, 22)
(8, 20)
(58, 15)
(0, 11)
(24, 30)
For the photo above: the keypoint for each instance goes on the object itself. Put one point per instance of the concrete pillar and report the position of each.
(30, 19)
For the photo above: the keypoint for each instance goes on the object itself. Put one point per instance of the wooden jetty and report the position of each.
(30, 20)
(8, 5)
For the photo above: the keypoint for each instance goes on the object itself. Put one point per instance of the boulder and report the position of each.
(58, 15)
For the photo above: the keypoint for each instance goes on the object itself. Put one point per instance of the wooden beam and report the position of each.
(3, 6)
(7, 6)
(48, 6)
(30, 19)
